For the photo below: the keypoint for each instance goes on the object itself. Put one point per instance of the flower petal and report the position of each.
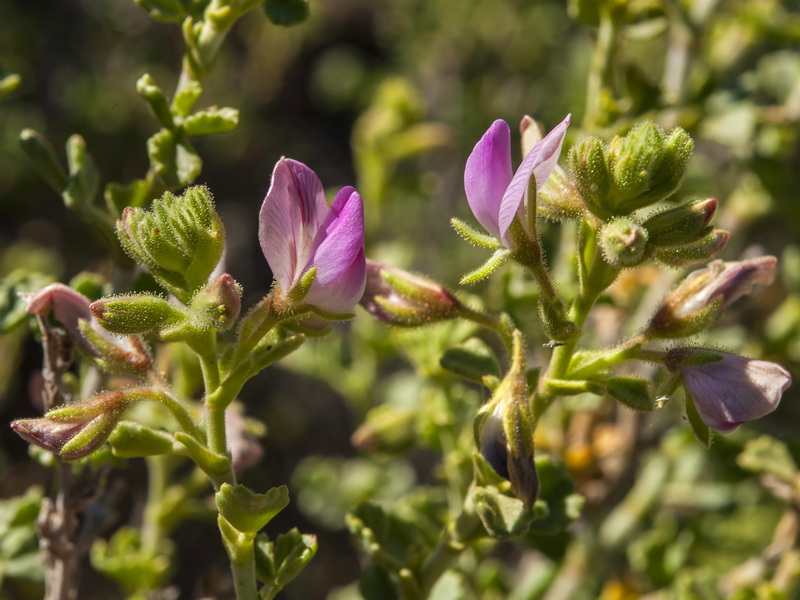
(539, 163)
(290, 217)
(487, 174)
(735, 390)
(338, 255)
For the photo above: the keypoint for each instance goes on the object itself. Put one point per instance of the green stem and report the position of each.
(500, 325)
(152, 532)
(244, 574)
(181, 414)
(451, 545)
(600, 70)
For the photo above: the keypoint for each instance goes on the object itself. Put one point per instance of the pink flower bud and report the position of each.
(124, 354)
(219, 304)
(298, 231)
(731, 389)
(398, 297)
(704, 293)
(76, 430)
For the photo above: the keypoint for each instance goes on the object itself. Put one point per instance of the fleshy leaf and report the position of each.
(247, 511)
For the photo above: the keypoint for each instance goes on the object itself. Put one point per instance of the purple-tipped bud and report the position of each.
(682, 224)
(298, 232)
(400, 298)
(704, 293)
(219, 304)
(114, 353)
(623, 242)
(504, 429)
(496, 196)
(77, 430)
(695, 252)
(728, 389)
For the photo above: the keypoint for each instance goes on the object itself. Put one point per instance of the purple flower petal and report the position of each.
(735, 390)
(487, 175)
(540, 162)
(338, 255)
(290, 217)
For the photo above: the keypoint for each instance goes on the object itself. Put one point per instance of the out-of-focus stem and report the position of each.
(600, 70)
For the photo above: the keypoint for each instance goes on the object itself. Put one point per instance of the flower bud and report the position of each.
(504, 429)
(180, 239)
(647, 166)
(400, 298)
(623, 242)
(72, 310)
(136, 313)
(553, 316)
(704, 293)
(588, 163)
(694, 252)
(681, 225)
(219, 304)
(76, 430)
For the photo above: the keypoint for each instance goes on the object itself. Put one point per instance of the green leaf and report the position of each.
(280, 562)
(173, 158)
(118, 196)
(487, 268)
(212, 120)
(286, 12)
(470, 362)
(163, 11)
(213, 464)
(84, 179)
(153, 95)
(132, 440)
(126, 561)
(247, 511)
(44, 159)
(186, 98)
(13, 309)
(630, 391)
(767, 455)
(701, 431)
(502, 516)
(8, 83)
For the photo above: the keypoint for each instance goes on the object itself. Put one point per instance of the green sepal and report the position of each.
(211, 120)
(473, 236)
(701, 431)
(211, 463)
(588, 163)
(487, 268)
(769, 456)
(286, 12)
(695, 252)
(43, 156)
(279, 562)
(133, 440)
(631, 392)
(469, 362)
(266, 354)
(328, 315)
(173, 158)
(502, 516)
(136, 313)
(156, 99)
(303, 285)
(185, 99)
(247, 511)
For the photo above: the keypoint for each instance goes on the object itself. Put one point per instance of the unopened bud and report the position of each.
(704, 293)
(647, 166)
(137, 313)
(681, 225)
(623, 242)
(76, 430)
(219, 304)
(694, 252)
(180, 239)
(504, 429)
(400, 298)
(588, 163)
(553, 316)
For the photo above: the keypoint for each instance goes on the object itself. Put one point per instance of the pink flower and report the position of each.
(494, 195)
(298, 231)
(728, 389)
